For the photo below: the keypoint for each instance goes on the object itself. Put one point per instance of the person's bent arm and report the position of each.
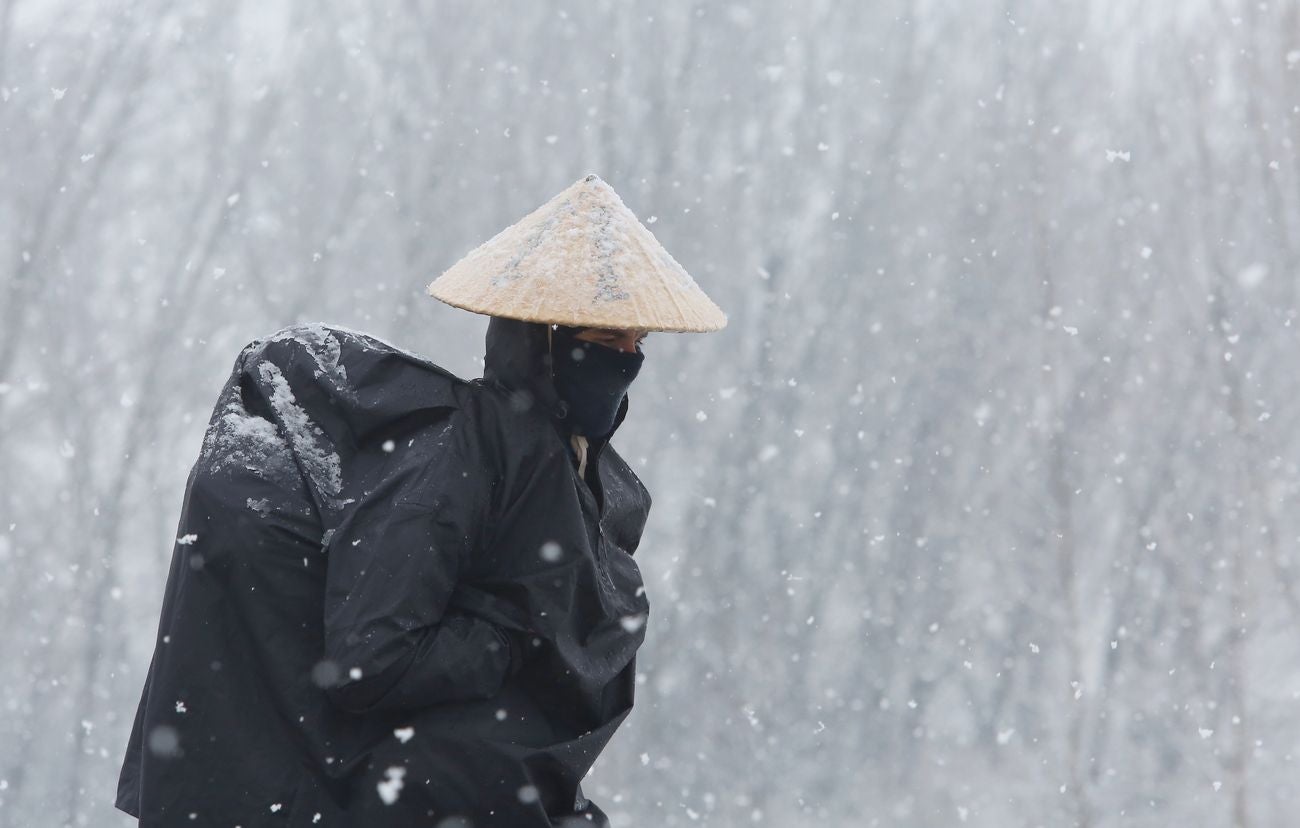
(391, 641)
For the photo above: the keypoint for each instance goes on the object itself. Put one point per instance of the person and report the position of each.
(402, 598)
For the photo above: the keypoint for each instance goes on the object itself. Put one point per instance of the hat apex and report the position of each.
(581, 259)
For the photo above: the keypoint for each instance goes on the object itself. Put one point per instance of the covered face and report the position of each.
(592, 377)
(581, 383)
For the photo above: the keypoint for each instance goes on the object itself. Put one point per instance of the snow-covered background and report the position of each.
(981, 511)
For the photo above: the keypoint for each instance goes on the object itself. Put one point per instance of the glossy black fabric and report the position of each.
(366, 545)
(591, 379)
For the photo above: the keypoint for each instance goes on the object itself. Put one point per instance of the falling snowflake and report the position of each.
(392, 784)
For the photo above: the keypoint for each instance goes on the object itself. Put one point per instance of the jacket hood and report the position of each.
(518, 358)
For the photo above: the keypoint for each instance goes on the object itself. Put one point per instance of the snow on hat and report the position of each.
(581, 259)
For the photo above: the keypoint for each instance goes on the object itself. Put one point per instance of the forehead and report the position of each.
(613, 331)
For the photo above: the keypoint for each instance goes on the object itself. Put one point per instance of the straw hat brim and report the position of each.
(581, 259)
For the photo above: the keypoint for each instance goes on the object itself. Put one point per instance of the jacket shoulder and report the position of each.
(363, 379)
(328, 350)
(513, 420)
(315, 396)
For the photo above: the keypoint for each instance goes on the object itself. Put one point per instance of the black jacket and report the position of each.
(391, 599)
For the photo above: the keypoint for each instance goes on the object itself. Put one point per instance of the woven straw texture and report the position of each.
(581, 259)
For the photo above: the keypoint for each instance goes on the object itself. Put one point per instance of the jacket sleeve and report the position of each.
(391, 640)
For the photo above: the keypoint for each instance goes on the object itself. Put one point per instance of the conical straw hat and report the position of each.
(581, 259)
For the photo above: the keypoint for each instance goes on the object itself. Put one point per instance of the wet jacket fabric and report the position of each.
(392, 600)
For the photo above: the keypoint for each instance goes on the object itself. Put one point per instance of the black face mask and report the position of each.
(592, 380)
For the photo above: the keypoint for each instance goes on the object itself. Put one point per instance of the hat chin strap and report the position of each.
(550, 358)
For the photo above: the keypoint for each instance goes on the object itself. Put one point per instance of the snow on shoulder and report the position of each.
(290, 406)
(260, 426)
